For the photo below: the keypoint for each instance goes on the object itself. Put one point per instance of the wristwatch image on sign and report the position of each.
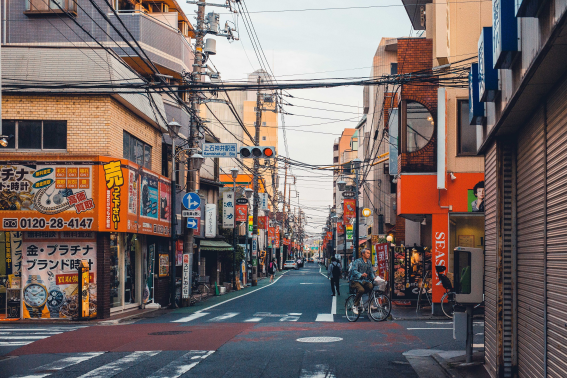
(35, 296)
(55, 299)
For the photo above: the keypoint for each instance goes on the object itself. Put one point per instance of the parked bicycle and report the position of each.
(449, 299)
(377, 305)
(424, 288)
(198, 288)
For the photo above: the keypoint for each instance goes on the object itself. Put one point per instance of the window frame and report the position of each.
(42, 149)
(68, 6)
(144, 146)
(459, 153)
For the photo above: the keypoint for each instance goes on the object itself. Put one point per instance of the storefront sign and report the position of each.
(83, 289)
(165, 201)
(271, 235)
(163, 265)
(228, 210)
(250, 224)
(150, 280)
(241, 213)
(254, 245)
(349, 208)
(264, 201)
(286, 241)
(186, 277)
(476, 108)
(440, 251)
(340, 228)
(210, 220)
(382, 259)
(262, 222)
(504, 33)
(487, 75)
(50, 270)
(277, 241)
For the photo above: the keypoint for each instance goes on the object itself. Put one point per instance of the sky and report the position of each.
(307, 45)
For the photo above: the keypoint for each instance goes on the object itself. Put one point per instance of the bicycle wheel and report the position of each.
(349, 306)
(380, 307)
(448, 304)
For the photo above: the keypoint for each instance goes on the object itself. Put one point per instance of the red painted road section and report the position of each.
(135, 337)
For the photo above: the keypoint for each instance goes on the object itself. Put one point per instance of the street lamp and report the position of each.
(341, 184)
(4, 140)
(173, 131)
(234, 173)
(197, 161)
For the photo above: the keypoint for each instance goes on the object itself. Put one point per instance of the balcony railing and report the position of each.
(165, 45)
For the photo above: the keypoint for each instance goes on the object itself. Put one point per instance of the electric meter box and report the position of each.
(468, 268)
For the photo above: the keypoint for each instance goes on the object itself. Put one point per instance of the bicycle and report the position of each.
(449, 299)
(424, 288)
(377, 306)
(196, 289)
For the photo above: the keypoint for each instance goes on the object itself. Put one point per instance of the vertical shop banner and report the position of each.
(382, 259)
(210, 220)
(164, 201)
(114, 178)
(262, 222)
(163, 265)
(228, 210)
(329, 235)
(340, 228)
(179, 252)
(241, 213)
(271, 235)
(50, 273)
(250, 225)
(349, 231)
(186, 277)
(277, 237)
(13, 253)
(349, 208)
(440, 250)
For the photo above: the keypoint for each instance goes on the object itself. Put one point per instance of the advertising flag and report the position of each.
(349, 210)
(241, 213)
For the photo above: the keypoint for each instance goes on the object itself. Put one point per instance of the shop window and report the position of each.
(465, 230)
(115, 276)
(467, 134)
(137, 151)
(418, 128)
(35, 135)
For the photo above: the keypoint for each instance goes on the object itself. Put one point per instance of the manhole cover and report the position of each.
(319, 339)
(168, 333)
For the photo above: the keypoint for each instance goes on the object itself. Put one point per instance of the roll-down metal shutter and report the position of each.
(490, 274)
(556, 253)
(530, 239)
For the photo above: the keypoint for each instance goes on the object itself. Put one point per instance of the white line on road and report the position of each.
(118, 366)
(243, 295)
(320, 371)
(15, 343)
(182, 365)
(325, 318)
(253, 320)
(191, 317)
(46, 334)
(23, 337)
(409, 329)
(228, 315)
(312, 283)
(62, 364)
(334, 305)
(288, 318)
(295, 313)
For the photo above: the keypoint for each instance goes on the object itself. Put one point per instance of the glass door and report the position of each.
(116, 288)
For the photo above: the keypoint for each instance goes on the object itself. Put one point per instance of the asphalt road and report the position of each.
(285, 329)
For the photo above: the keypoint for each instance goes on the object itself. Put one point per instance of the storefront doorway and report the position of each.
(125, 271)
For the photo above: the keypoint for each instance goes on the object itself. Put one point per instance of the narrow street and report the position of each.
(284, 329)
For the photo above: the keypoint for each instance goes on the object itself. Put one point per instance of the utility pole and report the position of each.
(284, 213)
(256, 196)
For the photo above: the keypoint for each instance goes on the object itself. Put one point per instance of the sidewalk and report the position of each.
(433, 363)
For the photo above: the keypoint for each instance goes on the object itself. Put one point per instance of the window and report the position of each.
(263, 123)
(137, 151)
(393, 68)
(419, 126)
(50, 6)
(468, 135)
(36, 135)
(263, 138)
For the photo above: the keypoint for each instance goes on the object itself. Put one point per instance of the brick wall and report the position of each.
(416, 54)
(95, 124)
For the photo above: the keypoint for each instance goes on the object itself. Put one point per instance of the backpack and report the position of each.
(336, 271)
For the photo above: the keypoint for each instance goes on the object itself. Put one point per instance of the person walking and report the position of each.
(272, 270)
(334, 274)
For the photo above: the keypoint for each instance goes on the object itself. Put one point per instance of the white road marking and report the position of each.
(295, 313)
(253, 320)
(118, 366)
(444, 323)
(288, 318)
(409, 329)
(54, 329)
(478, 345)
(24, 337)
(228, 315)
(62, 364)
(321, 339)
(182, 365)
(15, 343)
(191, 317)
(325, 318)
(243, 295)
(334, 305)
(31, 333)
(320, 371)
(311, 283)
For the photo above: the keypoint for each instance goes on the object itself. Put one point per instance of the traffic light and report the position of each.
(257, 152)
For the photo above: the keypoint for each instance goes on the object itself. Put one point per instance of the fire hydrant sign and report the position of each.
(186, 277)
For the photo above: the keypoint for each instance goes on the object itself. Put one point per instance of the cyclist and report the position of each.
(361, 277)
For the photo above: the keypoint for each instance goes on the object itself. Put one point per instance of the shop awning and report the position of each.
(215, 245)
(362, 242)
